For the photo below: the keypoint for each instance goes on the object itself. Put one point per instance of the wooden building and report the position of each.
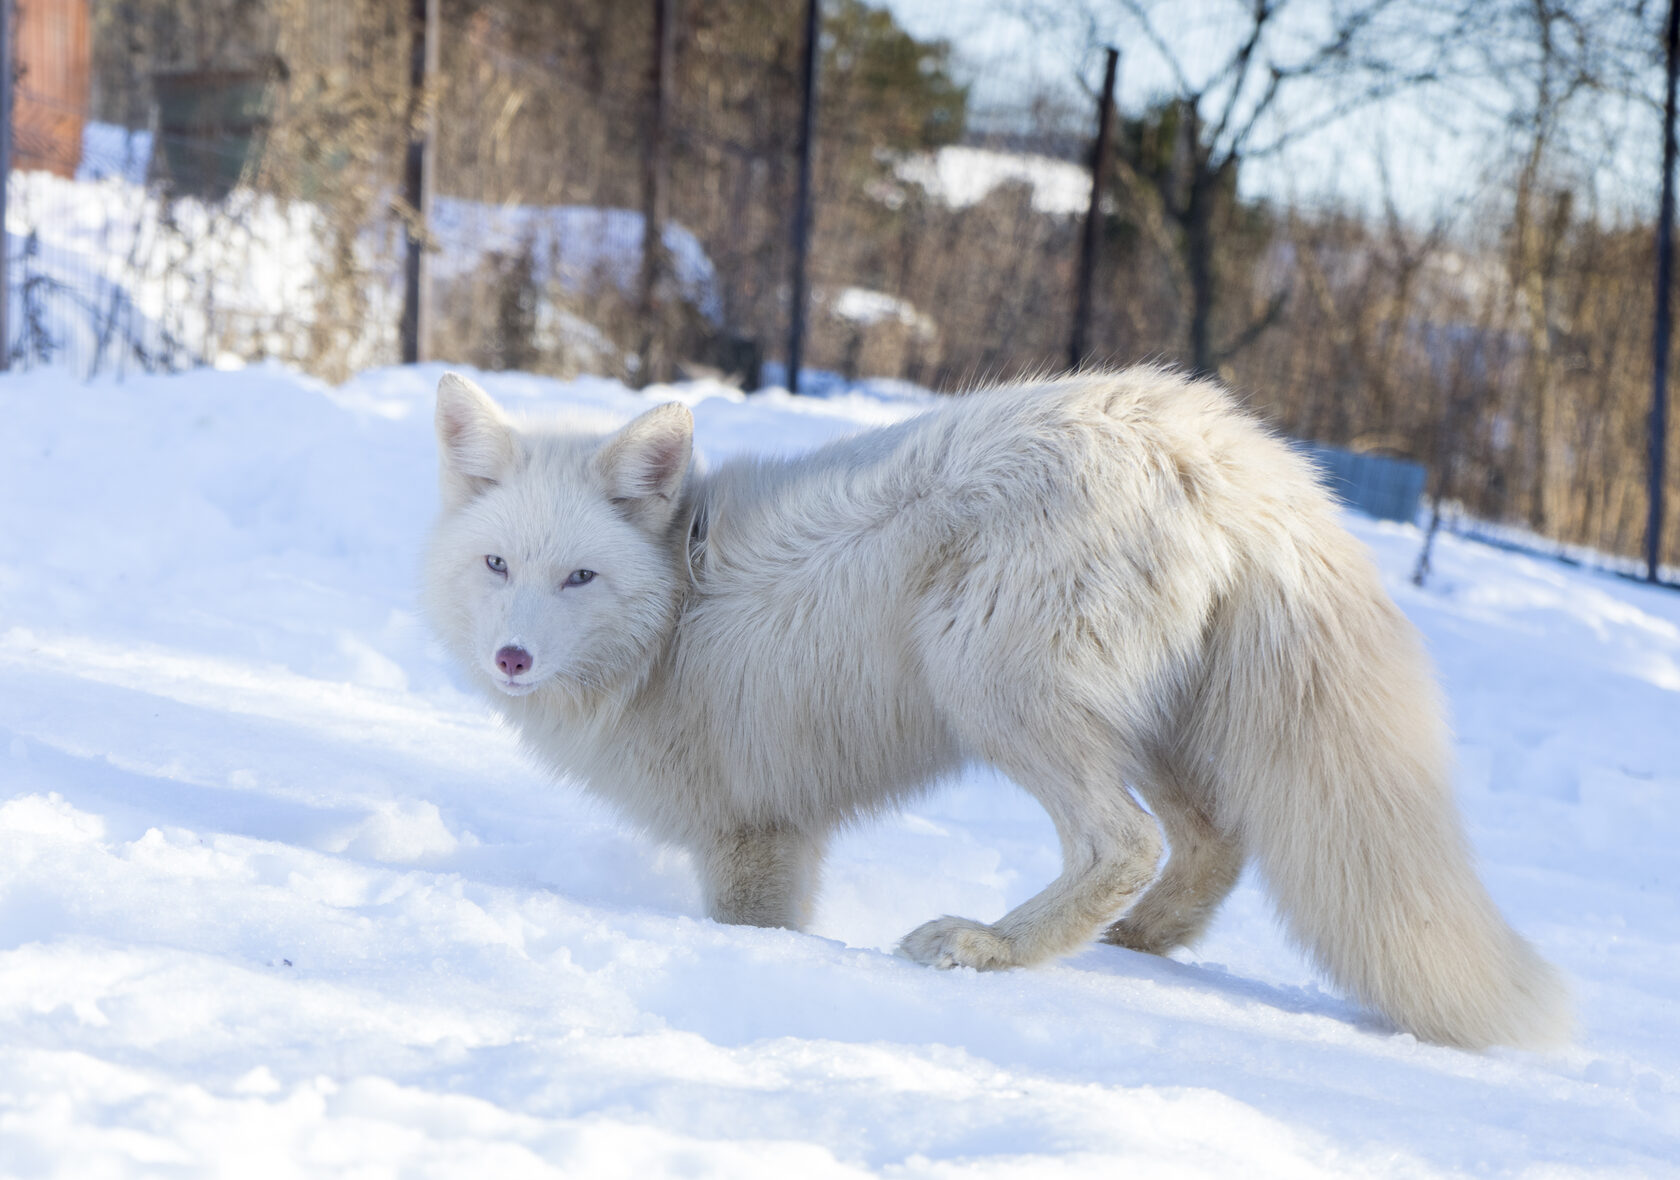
(54, 52)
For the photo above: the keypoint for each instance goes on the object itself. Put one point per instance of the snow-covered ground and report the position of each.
(109, 275)
(277, 898)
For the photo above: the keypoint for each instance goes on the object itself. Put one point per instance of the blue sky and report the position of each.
(1443, 150)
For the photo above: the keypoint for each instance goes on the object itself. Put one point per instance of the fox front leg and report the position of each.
(752, 876)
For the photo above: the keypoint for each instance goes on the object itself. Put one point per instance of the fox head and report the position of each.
(556, 561)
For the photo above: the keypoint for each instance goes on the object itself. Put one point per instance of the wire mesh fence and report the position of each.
(232, 192)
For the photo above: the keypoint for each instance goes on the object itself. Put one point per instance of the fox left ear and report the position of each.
(644, 464)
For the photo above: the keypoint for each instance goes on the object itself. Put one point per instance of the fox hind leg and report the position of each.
(1203, 864)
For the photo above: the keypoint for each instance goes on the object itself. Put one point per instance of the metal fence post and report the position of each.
(417, 179)
(802, 199)
(655, 165)
(1664, 317)
(1080, 346)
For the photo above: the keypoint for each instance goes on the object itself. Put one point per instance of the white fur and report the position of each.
(1113, 581)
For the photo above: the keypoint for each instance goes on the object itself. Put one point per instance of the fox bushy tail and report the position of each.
(1337, 766)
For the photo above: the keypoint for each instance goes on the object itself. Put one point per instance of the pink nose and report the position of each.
(513, 661)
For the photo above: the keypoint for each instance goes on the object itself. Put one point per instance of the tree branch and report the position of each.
(1257, 326)
(1160, 45)
(1237, 69)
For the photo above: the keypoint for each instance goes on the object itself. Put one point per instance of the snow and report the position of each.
(581, 247)
(125, 278)
(129, 274)
(864, 307)
(110, 150)
(961, 176)
(278, 898)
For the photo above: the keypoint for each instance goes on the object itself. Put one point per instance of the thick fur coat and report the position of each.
(1112, 586)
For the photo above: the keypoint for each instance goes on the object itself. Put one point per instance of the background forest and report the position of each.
(1499, 335)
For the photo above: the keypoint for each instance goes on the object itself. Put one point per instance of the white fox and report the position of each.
(1112, 583)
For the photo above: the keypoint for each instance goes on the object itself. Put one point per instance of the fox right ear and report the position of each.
(475, 441)
(643, 466)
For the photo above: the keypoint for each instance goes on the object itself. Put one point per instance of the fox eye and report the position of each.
(496, 564)
(580, 577)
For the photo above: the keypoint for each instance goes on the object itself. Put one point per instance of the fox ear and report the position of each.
(644, 464)
(475, 442)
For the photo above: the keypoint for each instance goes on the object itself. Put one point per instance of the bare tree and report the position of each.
(1565, 73)
(1245, 80)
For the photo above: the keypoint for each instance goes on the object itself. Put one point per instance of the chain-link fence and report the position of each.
(929, 259)
(226, 184)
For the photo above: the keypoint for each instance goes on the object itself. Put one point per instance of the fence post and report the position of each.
(802, 198)
(1080, 346)
(417, 179)
(1664, 317)
(655, 166)
(6, 79)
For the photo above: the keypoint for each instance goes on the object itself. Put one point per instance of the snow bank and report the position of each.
(865, 308)
(580, 247)
(278, 898)
(961, 176)
(108, 276)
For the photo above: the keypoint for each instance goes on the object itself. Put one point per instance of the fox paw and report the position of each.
(1137, 937)
(958, 942)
